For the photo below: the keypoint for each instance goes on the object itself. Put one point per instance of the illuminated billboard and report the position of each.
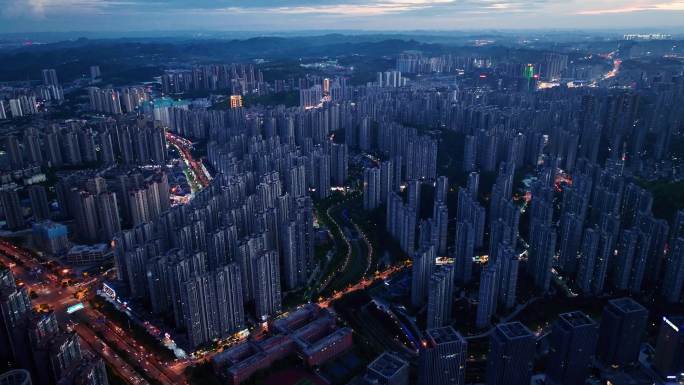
(108, 291)
(74, 308)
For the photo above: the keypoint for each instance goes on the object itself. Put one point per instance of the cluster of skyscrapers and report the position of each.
(116, 101)
(581, 222)
(235, 78)
(576, 343)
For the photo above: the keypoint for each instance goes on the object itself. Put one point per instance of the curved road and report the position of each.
(347, 228)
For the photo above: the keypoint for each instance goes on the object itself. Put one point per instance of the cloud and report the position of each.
(40, 9)
(42, 15)
(45, 8)
(636, 7)
(381, 7)
(358, 9)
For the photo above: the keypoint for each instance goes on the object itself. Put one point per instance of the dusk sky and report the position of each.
(281, 15)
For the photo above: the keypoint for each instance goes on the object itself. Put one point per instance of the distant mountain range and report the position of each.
(72, 58)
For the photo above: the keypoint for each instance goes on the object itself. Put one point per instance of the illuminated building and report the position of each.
(529, 74)
(651, 36)
(326, 86)
(235, 101)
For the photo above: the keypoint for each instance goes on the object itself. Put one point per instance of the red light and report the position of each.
(483, 76)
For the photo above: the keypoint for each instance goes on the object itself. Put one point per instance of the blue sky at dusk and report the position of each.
(282, 15)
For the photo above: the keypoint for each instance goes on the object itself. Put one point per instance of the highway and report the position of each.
(116, 337)
(362, 284)
(199, 172)
(95, 344)
(89, 323)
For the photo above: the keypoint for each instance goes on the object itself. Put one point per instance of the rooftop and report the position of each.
(514, 330)
(96, 248)
(576, 318)
(387, 365)
(444, 335)
(627, 305)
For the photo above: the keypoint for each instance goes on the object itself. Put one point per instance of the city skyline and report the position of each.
(341, 206)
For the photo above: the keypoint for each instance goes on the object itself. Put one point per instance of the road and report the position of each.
(347, 257)
(362, 284)
(353, 245)
(88, 322)
(145, 361)
(200, 174)
(119, 366)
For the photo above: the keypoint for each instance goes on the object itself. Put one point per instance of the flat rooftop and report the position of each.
(577, 318)
(444, 335)
(627, 305)
(514, 330)
(387, 365)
